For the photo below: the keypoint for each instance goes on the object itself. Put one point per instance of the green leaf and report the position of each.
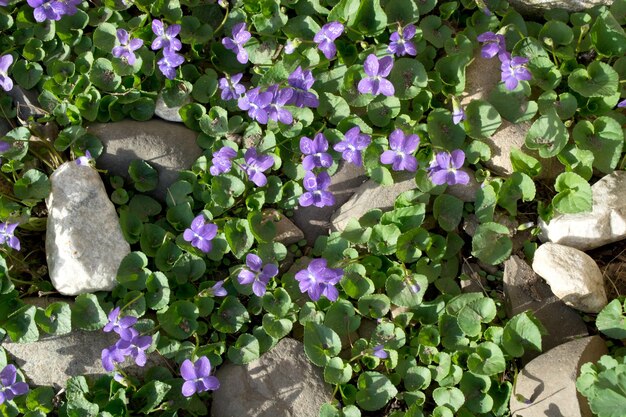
(277, 302)
(33, 185)
(443, 132)
(521, 332)
(180, 319)
(548, 135)
(27, 74)
(225, 188)
(451, 397)
(482, 310)
(608, 35)
(370, 20)
(406, 291)
(103, 76)
(417, 378)
(604, 138)
(513, 106)
(375, 391)
(491, 243)
(132, 272)
(517, 186)
(104, 37)
(597, 80)
(21, 326)
(408, 77)
(321, 343)
(612, 320)
(41, 399)
(144, 177)
(481, 119)
(524, 163)
(56, 319)
(334, 108)
(577, 160)
(231, 316)
(87, 313)
(374, 305)
(245, 350)
(149, 396)
(382, 110)
(574, 194)
(275, 326)
(263, 229)
(337, 372)
(239, 237)
(341, 317)
(487, 360)
(158, 295)
(448, 210)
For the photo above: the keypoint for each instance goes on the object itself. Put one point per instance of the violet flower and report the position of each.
(46, 10)
(325, 38)
(317, 193)
(400, 43)
(622, 103)
(256, 103)
(127, 47)
(290, 46)
(257, 274)
(352, 145)
(458, 114)
(200, 234)
(222, 160)
(318, 280)
(119, 326)
(9, 388)
(168, 64)
(231, 89)
(4, 146)
(400, 156)
(379, 352)
(84, 160)
(256, 165)
(377, 70)
(513, 70)
(235, 44)
(198, 377)
(218, 289)
(7, 231)
(166, 38)
(5, 81)
(135, 345)
(110, 356)
(493, 44)
(280, 98)
(445, 168)
(301, 82)
(315, 151)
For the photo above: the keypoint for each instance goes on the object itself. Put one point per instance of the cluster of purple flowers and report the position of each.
(7, 236)
(9, 388)
(53, 9)
(445, 169)
(318, 279)
(255, 165)
(257, 274)
(198, 377)
(230, 87)
(200, 234)
(513, 69)
(316, 185)
(166, 39)
(130, 343)
(400, 156)
(236, 43)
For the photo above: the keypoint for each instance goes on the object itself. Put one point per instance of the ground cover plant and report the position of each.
(281, 93)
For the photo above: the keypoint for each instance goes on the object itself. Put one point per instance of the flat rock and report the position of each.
(525, 290)
(548, 382)
(315, 221)
(572, 275)
(538, 7)
(170, 114)
(168, 147)
(286, 231)
(84, 241)
(606, 223)
(52, 360)
(281, 383)
(370, 195)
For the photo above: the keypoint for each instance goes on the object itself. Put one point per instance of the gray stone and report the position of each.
(547, 384)
(26, 103)
(370, 195)
(168, 147)
(84, 241)
(315, 221)
(573, 276)
(281, 383)
(52, 360)
(170, 114)
(606, 223)
(535, 8)
(286, 232)
(525, 290)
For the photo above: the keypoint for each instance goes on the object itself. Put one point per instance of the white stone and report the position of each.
(606, 223)
(84, 241)
(538, 7)
(286, 231)
(171, 114)
(572, 275)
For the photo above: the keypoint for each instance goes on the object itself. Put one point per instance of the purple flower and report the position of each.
(240, 37)
(318, 280)
(445, 168)
(84, 160)
(200, 234)
(400, 43)
(325, 38)
(280, 98)
(290, 47)
(5, 62)
(166, 38)
(256, 165)
(513, 70)
(222, 160)
(317, 193)
(4, 2)
(379, 352)
(493, 44)
(231, 89)
(127, 48)
(622, 103)
(301, 82)
(257, 274)
(198, 377)
(218, 289)
(9, 388)
(256, 103)
(352, 145)
(119, 326)
(110, 356)
(134, 345)
(4, 146)
(377, 70)
(457, 112)
(6, 235)
(315, 151)
(46, 10)
(402, 146)
(168, 64)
